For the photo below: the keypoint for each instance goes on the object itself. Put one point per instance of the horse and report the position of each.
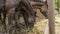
(9, 6)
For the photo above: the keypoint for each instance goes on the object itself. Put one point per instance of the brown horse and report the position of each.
(9, 6)
(27, 12)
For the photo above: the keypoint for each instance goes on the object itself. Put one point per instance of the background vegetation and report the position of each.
(57, 5)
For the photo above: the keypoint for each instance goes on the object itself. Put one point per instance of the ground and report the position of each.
(40, 26)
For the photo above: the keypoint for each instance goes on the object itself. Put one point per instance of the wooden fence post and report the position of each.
(51, 16)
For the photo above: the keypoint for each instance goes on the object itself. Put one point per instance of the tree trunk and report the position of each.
(51, 16)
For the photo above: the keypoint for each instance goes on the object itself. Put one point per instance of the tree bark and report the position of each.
(51, 16)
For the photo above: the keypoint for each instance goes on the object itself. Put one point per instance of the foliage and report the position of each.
(57, 4)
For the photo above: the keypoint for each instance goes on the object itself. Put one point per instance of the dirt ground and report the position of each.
(40, 26)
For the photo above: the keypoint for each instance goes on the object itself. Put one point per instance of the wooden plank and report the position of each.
(36, 3)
